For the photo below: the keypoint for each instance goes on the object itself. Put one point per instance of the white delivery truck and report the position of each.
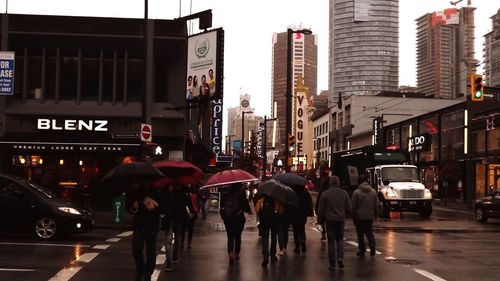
(396, 181)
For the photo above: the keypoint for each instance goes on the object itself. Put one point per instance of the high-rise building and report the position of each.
(445, 52)
(492, 53)
(304, 64)
(363, 47)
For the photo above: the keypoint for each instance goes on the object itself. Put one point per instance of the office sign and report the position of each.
(7, 60)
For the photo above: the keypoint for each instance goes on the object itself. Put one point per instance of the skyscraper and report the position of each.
(363, 47)
(492, 53)
(304, 63)
(445, 52)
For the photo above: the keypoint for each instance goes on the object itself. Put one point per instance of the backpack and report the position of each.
(230, 209)
(268, 214)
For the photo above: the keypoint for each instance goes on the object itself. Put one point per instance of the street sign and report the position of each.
(492, 93)
(7, 60)
(146, 132)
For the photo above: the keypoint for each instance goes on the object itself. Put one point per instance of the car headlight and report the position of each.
(69, 210)
(390, 192)
(427, 194)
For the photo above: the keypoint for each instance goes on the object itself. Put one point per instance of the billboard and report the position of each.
(7, 60)
(204, 66)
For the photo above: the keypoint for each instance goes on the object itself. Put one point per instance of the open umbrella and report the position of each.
(181, 172)
(278, 191)
(228, 177)
(125, 175)
(290, 179)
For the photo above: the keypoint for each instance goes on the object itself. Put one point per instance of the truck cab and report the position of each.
(399, 189)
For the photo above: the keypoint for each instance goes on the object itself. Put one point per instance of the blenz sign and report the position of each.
(72, 125)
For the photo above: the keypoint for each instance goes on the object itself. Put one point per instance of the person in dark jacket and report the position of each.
(333, 207)
(269, 211)
(178, 202)
(364, 210)
(233, 205)
(298, 217)
(146, 204)
(324, 185)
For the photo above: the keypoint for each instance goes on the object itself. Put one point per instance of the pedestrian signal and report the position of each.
(291, 142)
(476, 87)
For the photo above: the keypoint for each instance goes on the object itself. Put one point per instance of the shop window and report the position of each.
(429, 126)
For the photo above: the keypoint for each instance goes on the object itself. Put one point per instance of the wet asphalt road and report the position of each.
(449, 246)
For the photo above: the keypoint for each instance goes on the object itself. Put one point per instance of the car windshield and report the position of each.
(39, 189)
(401, 174)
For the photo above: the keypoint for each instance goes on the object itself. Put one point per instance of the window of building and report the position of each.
(347, 111)
(341, 120)
(334, 121)
(430, 126)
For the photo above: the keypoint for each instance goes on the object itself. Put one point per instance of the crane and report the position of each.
(454, 3)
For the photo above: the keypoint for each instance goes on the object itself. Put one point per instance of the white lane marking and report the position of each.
(65, 274)
(356, 245)
(160, 259)
(44, 244)
(428, 275)
(87, 257)
(16, 269)
(155, 274)
(125, 234)
(390, 258)
(113, 240)
(101, 247)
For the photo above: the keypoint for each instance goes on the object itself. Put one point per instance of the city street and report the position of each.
(449, 246)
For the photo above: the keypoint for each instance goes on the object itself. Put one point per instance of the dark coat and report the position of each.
(178, 202)
(237, 195)
(299, 213)
(144, 219)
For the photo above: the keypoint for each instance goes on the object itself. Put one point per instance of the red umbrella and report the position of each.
(228, 177)
(181, 172)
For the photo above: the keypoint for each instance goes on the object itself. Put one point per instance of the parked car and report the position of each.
(28, 207)
(488, 207)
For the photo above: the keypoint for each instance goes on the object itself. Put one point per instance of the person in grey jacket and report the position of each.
(365, 210)
(334, 204)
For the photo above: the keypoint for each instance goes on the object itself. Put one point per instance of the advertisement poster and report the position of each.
(204, 66)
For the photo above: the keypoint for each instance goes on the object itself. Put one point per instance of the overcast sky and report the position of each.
(249, 26)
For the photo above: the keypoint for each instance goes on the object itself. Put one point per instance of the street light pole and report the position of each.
(264, 147)
(288, 96)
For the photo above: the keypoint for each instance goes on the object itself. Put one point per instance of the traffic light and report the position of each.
(291, 142)
(476, 87)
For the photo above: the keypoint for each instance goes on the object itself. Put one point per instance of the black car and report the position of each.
(488, 207)
(28, 207)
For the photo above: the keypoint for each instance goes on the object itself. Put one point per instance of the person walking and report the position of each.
(178, 202)
(269, 212)
(333, 207)
(298, 217)
(365, 210)
(324, 185)
(192, 216)
(234, 204)
(146, 205)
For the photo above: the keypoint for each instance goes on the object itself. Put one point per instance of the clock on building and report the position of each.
(244, 103)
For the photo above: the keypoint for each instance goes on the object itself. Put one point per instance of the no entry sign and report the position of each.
(146, 132)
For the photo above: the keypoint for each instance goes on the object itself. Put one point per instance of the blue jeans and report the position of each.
(144, 237)
(335, 234)
(364, 227)
(266, 250)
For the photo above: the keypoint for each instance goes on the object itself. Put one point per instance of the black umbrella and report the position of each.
(128, 174)
(278, 191)
(290, 179)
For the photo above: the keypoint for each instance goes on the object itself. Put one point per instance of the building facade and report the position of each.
(457, 148)
(445, 52)
(363, 47)
(79, 100)
(304, 64)
(241, 120)
(492, 53)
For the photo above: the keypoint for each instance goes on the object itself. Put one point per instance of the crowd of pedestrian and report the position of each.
(178, 207)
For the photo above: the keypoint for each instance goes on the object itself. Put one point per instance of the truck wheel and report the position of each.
(383, 209)
(426, 211)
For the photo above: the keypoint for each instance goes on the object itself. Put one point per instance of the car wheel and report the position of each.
(383, 209)
(426, 211)
(481, 215)
(45, 228)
